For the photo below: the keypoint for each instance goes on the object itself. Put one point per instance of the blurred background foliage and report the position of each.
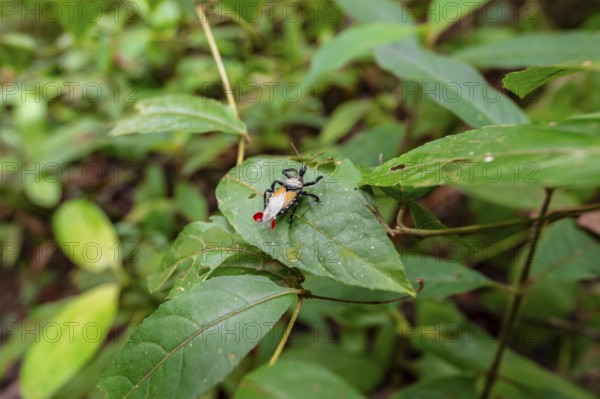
(69, 72)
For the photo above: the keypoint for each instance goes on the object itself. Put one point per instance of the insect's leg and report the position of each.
(286, 172)
(311, 195)
(310, 183)
(295, 206)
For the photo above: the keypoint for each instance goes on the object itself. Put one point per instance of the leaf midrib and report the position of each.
(200, 331)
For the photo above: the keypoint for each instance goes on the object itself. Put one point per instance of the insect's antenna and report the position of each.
(313, 158)
(294, 147)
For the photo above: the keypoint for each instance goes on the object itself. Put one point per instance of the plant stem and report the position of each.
(547, 217)
(221, 67)
(310, 295)
(287, 332)
(519, 294)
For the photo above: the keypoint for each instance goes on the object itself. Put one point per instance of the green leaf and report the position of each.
(534, 49)
(359, 370)
(376, 11)
(191, 202)
(199, 248)
(352, 43)
(453, 387)
(180, 113)
(294, 379)
(469, 348)
(525, 155)
(454, 85)
(193, 341)
(367, 147)
(72, 338)
(444, 13)
(86, 235)
(524, 82)
(567, 253)
(43, 191)
(338, 237)
(423, 218)
(441, 277)
(343, 119)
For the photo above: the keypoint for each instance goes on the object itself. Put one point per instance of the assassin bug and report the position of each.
(277, 201)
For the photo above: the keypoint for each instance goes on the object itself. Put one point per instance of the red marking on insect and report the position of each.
(258, 216)
(272, 224)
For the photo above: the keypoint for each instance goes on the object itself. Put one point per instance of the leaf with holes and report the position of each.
(526, 155)
(192, 342)
(338, 237)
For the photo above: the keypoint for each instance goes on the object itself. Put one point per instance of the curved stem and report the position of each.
(310, 295)
(517, 298)
(221, 67)
(547, 217)
(287, 332)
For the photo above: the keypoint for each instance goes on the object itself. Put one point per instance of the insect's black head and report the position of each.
(302, 170)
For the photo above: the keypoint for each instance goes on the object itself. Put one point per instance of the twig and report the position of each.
(287, 332)
(221, 67)
(517, 297)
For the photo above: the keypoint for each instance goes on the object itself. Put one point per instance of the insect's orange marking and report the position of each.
(289, 197)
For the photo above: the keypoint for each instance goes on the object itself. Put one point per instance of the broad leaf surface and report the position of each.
(501, 155)
(295, 380)
(338, 237)
(444, 13)
(453, 387)
(180, 113)
(534, 49)
(353, 43)
(70, 340)
(454, 85)
(192, 342)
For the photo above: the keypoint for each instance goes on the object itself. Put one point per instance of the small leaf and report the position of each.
(43, 191)
(367, 147)
(376, 11)
(524, 82)
(180, 113)
(534, 49)
(443, 278)
(191, 202)
(294, 380)
(193, 341)
(343, 119)
(200, 247)
(538, 155)
(86, 235)
(338, 237)
(71, 338)
(353, 43)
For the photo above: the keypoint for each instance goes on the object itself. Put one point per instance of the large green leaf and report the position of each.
(86, 235)
(338, 237)
(192, 342)
(501, 155)
(524, 82)
(353, 43)
(534, 49)
(454, 85)
(295, 380)
(376, 11)
(453, 387)
(367, 147)
(68, 341)
(180, 113)
(442, 278)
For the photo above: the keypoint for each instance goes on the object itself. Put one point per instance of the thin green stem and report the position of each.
(548, 217)
(223, 73)
(517, 297)
(287, 332)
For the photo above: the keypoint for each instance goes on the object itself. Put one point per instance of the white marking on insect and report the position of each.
(275, 205)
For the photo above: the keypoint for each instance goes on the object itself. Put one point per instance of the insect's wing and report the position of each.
(275, 205)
